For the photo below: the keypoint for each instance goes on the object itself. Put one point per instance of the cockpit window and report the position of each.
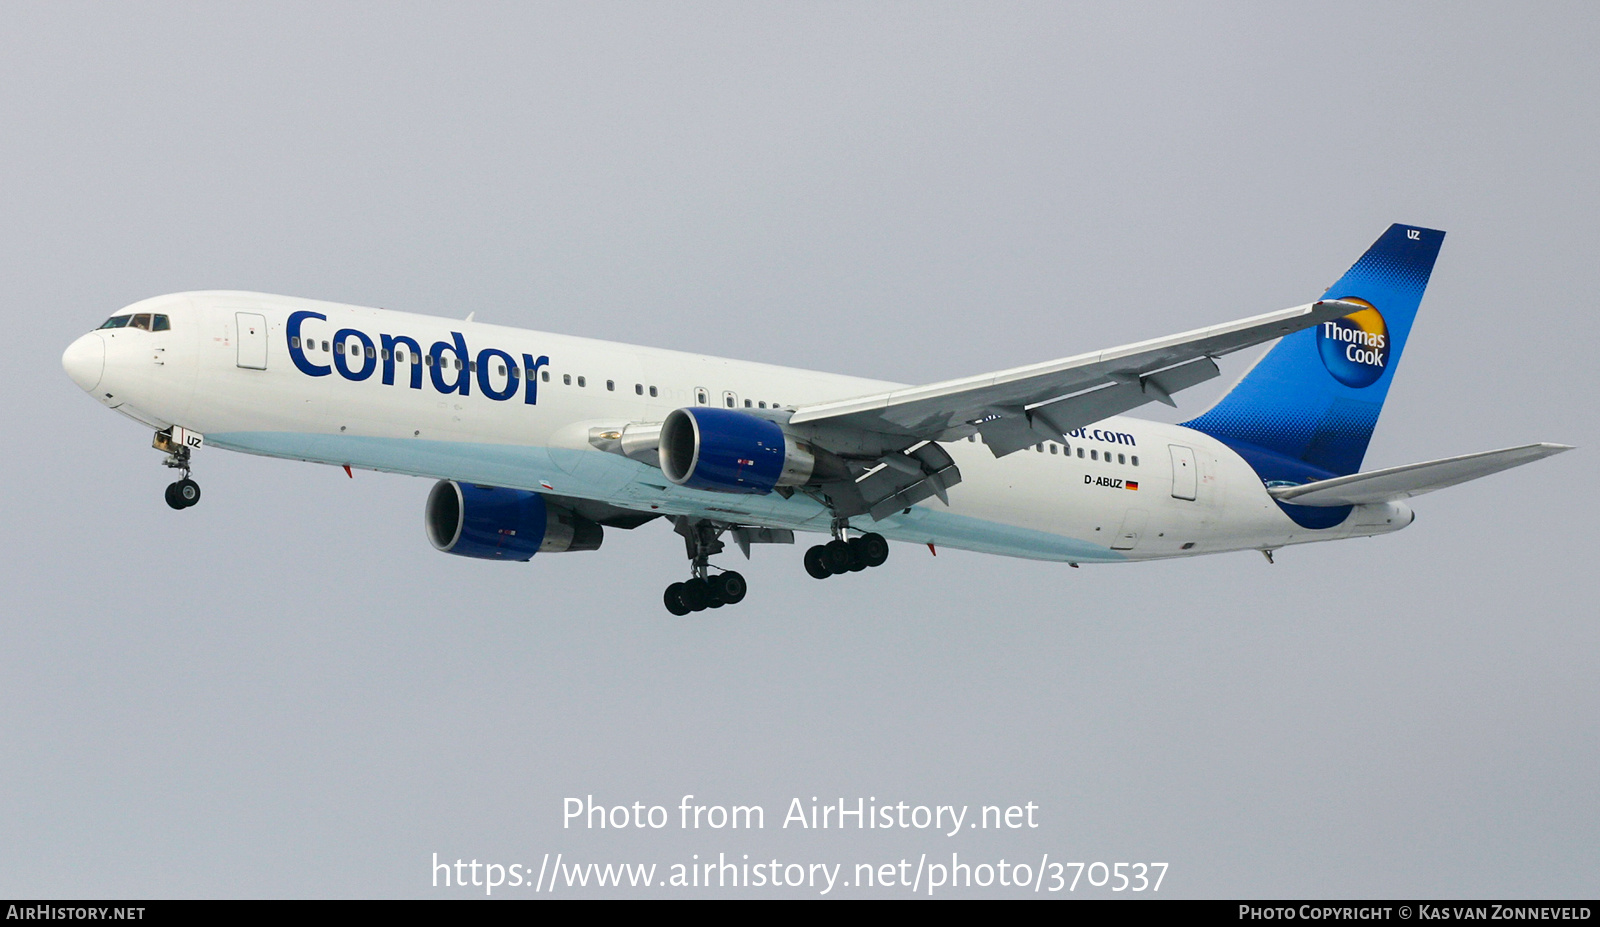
(146, 321)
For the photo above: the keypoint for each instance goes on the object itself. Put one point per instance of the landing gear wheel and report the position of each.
(874, 549)
(695, 595)
(673, 599)
(183, 493)
(836, 554)
(817, 562)
(858, 556)
(730, 587)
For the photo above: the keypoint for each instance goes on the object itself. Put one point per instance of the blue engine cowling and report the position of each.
(503, 524)
(727, 451)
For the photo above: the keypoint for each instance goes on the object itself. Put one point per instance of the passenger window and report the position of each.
(566, 379)
(427, 360)
(294, 341)
(383, 353)
(582, 382)
(748, 404)
(611, 386)
(458, 363)
(161, 324)
(638, 389)
(324, 346)
(1122, 458)
(338, 347)
(544, 375)
(652, 392)
(117, 321)
(1080, 452)
(700, 398)
(729, 400)
(1136, 460)
(1054, 449)
(502, 369)
(514, 372)
(371, 351)
(1094, 455)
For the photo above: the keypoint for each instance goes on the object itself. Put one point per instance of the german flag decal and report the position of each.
(1131, 484)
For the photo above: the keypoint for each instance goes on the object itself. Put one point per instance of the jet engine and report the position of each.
(491, 523)
(723, 450)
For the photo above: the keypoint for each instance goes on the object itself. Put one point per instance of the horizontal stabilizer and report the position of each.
(1411, 479)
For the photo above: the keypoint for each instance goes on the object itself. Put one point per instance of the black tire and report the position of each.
(858, 557)
(837, 555)
(172, 496)
(714, 597)
(730, 587)
(874, 549)
(817, 562)
(673, 599)
(695, 595)
(186, 491)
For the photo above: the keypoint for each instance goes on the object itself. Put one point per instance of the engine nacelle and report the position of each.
(503, 524)
(724, 450)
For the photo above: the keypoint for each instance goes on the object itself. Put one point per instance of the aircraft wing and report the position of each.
(1023, 406)
(1412, 479)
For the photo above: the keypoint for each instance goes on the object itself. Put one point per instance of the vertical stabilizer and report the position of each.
(1307, 409)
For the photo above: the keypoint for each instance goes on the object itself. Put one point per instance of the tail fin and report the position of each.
(1307, 409)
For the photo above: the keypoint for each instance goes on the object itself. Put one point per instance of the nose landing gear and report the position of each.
(178, 445)
(183, 493)
(706, 589)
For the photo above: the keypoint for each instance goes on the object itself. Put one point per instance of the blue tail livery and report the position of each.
(1307, 410)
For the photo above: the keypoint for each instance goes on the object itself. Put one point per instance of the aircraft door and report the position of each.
(1184, 477)
(1132, 528)
(252, 338)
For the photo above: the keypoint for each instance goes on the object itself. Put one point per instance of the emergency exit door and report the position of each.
(252, 333)
(1184, 479)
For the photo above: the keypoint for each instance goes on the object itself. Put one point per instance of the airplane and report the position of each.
(539, 442)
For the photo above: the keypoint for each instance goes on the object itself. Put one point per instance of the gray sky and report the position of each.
(287, 692)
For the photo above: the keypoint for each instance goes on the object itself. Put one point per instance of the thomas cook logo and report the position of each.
(1355, 349)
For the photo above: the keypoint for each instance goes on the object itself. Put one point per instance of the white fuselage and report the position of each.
(246, 390)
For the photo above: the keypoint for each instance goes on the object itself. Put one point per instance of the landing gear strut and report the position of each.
(845, 554)
(185, 492)
(705, 589)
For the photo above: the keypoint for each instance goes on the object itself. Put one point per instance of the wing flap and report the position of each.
(1415, 479)
(1098, 384)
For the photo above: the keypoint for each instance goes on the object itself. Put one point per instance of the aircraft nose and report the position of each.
(85, 360)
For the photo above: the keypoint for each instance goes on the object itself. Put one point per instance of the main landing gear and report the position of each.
(706, 589)
(185, 492)
(842, 555)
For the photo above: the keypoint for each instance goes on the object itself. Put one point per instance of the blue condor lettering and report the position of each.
(1110, 437)
(390, 343)
(358, 361)
(292, 332)
(369, 360)
(463, 384)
